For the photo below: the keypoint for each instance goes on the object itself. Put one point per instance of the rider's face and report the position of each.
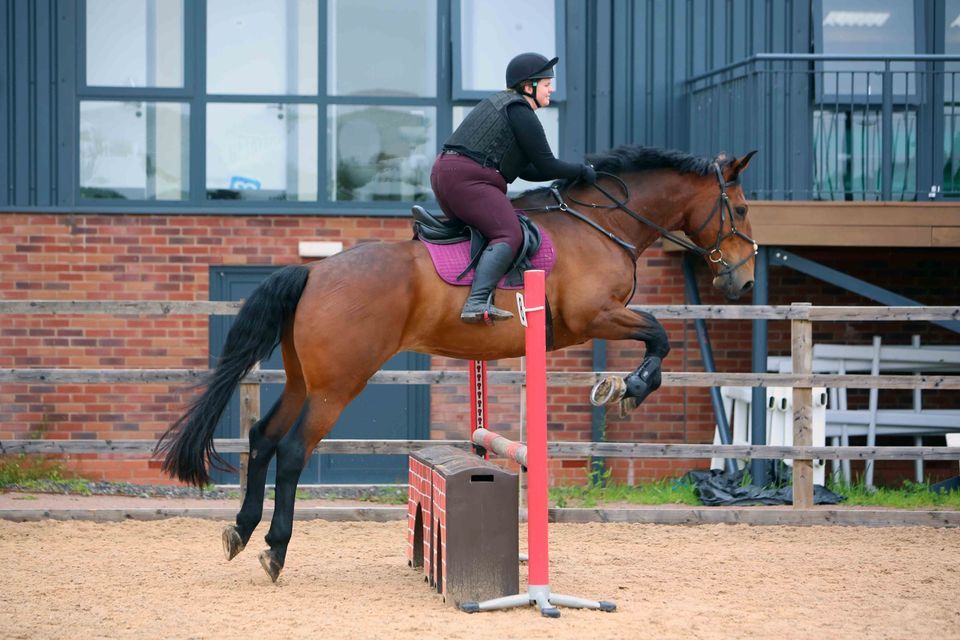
(544, 89)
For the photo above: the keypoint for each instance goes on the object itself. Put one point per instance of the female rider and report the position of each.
(500, 140)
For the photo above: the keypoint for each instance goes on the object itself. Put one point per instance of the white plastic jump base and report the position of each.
(542, 598)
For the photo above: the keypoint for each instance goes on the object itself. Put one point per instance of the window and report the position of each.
(382, 76)
(132, 147)
(262, 47)
(134, 150)
(491, 32)
(134, 43)
(380, 152)
(872, 27)
(289, 104)
(848, 154)
(377, 48)
(261, 151)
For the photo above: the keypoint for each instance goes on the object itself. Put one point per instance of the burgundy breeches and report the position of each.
(476, 196)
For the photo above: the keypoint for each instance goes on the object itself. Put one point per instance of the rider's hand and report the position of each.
(588, 174)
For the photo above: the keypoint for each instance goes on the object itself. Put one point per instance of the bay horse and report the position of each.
(337, 321)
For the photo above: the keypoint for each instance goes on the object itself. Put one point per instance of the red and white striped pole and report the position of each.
(533, 314)
(537, 545)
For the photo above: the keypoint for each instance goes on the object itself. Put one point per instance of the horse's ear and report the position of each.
(739, 164)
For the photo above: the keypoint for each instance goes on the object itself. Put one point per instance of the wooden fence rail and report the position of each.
(664, 312)
(802, 380)
(574, 378)
(562, 449)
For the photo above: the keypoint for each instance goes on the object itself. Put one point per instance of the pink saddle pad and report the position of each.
(451, 259)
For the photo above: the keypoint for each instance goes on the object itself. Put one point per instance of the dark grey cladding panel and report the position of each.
(643, 50)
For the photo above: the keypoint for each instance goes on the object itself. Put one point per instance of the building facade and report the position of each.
(179, 150)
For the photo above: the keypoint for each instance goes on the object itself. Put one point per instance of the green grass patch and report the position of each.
(23, 468)
(911, 495)
(386, 497)
(77, 486)
(591, 494)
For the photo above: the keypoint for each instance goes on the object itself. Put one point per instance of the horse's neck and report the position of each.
(534, 200)
(662, 197)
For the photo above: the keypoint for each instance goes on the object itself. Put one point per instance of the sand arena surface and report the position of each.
(169, 579)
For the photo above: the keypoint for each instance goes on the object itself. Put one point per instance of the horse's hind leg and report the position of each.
(235, 537)
(264, 437)
(262, 449)
(318, 416)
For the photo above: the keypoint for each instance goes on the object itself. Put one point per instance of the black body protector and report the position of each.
(485, 136)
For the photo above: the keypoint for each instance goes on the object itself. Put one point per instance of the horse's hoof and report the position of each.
(270, 565)
(232, 543)
(608, 391)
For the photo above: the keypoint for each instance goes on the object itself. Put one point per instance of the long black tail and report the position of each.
(188, 444)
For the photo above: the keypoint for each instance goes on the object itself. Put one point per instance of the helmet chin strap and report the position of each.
(533, 95)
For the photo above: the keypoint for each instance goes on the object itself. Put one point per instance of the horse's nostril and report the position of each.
(747, 286)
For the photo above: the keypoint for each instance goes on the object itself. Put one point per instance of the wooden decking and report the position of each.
(854, 224)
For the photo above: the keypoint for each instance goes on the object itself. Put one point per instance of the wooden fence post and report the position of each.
(249, 414)
(801, 333)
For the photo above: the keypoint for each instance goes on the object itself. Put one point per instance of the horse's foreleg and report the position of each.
(620, 323)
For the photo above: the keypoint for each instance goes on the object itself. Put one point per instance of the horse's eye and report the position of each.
(741, 211)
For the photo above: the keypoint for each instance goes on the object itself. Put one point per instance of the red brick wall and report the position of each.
(128, 257)
(420, 497)
(132, 257)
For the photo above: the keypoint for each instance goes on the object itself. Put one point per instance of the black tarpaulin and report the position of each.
(716, 488)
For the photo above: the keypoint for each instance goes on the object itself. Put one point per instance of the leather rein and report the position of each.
(722, 205)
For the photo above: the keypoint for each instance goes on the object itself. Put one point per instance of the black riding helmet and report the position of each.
(529, 66)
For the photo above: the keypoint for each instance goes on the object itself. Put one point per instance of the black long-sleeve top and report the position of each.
(533, 143)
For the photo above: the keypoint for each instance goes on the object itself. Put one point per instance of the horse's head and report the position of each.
(719, 225)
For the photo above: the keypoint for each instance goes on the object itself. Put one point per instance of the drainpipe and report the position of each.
(759, 469)
(706, 353)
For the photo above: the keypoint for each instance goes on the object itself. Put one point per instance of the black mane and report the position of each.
(637, 158)
(631, 157)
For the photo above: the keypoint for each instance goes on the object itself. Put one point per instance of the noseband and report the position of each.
(722, 205)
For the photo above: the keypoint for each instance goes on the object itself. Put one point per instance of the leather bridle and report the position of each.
(713, 254)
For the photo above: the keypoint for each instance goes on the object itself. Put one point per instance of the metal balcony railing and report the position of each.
(830, 127)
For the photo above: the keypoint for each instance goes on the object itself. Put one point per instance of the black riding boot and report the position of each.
(494, 262)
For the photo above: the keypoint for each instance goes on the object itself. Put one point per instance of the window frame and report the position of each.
(194, 93)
